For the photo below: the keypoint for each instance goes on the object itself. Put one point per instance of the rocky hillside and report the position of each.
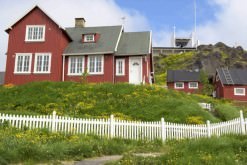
(206, 57)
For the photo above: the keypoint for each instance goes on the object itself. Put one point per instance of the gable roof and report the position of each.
(134, 43)
(238, 76)
(2, 74)
(30, 11)
(106, 44)
(182, 76)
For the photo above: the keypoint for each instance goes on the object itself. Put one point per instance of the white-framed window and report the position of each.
(96, 64)
(42, 63)
(239, 91)
(89, 38)
(120, 67)
(35, 33)
(23, 63)
(193, 85)
(179, 85)
(76, 65)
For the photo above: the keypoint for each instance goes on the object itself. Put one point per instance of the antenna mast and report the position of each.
(195, 24)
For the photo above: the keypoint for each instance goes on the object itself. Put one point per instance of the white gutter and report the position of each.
(119, 36)
(94, 53)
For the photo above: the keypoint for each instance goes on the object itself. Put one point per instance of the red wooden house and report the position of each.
(231, 84)
(182, 80)
(41, 50)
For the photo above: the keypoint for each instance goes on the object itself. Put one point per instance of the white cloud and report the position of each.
(229, 25)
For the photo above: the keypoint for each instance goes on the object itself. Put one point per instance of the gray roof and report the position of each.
(182, 75)
(107, 43)
(134, 43)
(238, 76)
(2, 74)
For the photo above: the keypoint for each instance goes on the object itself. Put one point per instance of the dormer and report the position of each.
(90, 37)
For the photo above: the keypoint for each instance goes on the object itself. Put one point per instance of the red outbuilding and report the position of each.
(183, 80)
(41, 50)
(231, 83)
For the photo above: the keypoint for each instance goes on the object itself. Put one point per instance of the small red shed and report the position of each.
(231, 83)
(183, 80)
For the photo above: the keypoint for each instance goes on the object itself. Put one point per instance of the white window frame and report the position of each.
(23, 63)
(176, 87)
(239, 94)
(76, 65)
(42, 63)
(88, 64)
(123, 67)
(89, 38)
(192, 87)
(28, 39)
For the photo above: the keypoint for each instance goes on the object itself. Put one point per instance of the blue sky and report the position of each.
(167, 13)
(217, 20)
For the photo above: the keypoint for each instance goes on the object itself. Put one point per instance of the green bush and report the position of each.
(226, 111)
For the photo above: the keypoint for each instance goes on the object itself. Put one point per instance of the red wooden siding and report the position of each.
(106, 77)
(55, 42)
(227, 91)
(186, 88)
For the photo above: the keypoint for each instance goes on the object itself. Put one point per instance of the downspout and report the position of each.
(113, 71)
(63, 67)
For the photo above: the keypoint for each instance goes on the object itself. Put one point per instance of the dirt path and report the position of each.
(104, 159)
(99, 160)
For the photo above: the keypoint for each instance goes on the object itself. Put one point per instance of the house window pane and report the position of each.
(120, 67)
(22, 63)
(42, 63)
(193, 85)
(239, 91)
(35, 33)
(76, 65)
(95, 64)
(179, 85)
(89, 38)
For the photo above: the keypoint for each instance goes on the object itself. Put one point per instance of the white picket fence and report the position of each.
(135, 130)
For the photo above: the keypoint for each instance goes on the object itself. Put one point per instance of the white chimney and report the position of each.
(80, 22)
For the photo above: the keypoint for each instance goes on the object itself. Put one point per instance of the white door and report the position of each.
(135, 70)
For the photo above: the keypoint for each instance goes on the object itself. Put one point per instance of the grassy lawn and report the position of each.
(147, 103)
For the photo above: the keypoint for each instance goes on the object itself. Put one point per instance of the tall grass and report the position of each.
(43, 146)
(228, 150)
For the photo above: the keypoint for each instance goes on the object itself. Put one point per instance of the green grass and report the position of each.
(33, 146)
(148, 103)
(228, 150)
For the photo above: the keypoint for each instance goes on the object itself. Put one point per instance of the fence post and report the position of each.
(208, 129)
(53, 122)
(242, 124)
(163, 131)
(112, 126)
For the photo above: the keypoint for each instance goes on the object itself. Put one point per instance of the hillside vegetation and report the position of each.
(206, 58)
(131, 102)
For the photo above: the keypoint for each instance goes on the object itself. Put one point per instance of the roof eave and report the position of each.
(88, 53)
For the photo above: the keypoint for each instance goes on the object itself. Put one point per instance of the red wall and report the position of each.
(106, 77)
(145, 70)
(227, 91)
(55, 43)
(219, 90)
(186, 89)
